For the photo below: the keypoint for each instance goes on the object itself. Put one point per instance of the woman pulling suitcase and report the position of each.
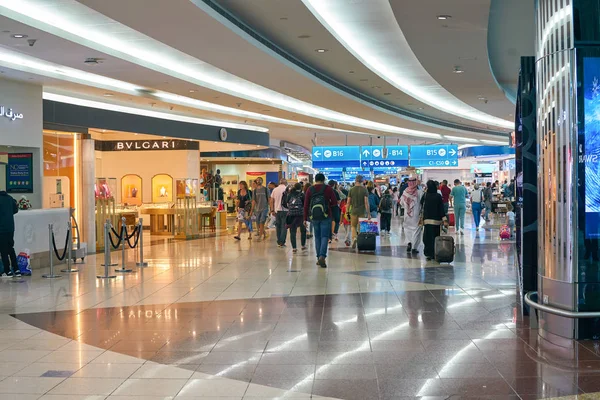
(434, 217)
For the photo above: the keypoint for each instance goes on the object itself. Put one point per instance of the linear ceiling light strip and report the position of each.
(383, 48)
(89, 28)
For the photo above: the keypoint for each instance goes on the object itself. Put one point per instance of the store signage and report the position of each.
(19, 178)
(10, 113)
(141, 145)
(379, 156)
(336, 156)
(434, 156)
(483, 174)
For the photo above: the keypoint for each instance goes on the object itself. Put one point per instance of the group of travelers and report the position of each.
(321, 209)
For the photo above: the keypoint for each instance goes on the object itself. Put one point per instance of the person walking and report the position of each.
(445, 195)
(295, 217)
(476, 200)
(278, 200)
(373, 201)
(318, 203)
(433, 217)
(459, 199)
(336, 212)
(358, 204)
(487, 200)
(386, 208)
(309, 228)
(396, 201)
(260, 206)
(244, 207)
(411, 202)
(8, 209)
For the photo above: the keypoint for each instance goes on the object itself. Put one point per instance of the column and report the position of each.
(88, 201)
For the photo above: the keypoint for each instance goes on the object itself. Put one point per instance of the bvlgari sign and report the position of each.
(146, 145)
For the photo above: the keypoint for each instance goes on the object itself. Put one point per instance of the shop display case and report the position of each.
(162, 218)
(131, 190)
(104, 191)
(162, 188)
(186, 210)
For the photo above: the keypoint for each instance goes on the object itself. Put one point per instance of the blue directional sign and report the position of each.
(434, 156)
(373, 156)
(336, 157)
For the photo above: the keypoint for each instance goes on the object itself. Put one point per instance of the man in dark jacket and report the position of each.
(8, 209)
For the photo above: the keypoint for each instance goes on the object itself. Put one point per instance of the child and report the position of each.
(346, 222)
(510, 219)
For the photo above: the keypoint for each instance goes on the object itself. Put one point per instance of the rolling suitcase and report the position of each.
(366, 241)
(444, 249)
(451, 218)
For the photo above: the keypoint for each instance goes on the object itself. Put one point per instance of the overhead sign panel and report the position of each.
(336, 156)
(434, 156)
(378, 156)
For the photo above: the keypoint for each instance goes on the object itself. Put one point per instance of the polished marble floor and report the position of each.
(220, 319)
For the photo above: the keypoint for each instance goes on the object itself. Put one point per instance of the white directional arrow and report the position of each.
(317, 153)
(366, 153)
(452, 152)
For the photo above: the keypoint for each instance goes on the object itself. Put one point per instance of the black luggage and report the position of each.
(366, 241)
(444, 249)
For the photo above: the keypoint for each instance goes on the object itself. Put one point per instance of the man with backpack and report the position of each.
(8, 209)
(295, 216)
(386, 208)
(318, 203)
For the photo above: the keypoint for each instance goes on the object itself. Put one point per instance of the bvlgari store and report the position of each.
(113, 166)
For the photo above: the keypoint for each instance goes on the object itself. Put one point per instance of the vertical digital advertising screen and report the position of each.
(591, 153)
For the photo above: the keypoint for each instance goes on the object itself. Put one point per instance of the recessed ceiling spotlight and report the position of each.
(482, 98)
(283, 18)
(444, 17)
(321, 50)
(364, 80)
(267, 110)
(350, 72)
(375, 87)
(421, 108)
(386, 93)
(108, 95)
(19, 36)
(303, 36)
(458, 70)
(192, 91)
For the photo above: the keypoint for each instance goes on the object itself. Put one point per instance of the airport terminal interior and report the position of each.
(299, 199)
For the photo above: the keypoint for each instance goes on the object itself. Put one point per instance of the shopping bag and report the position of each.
(368, 225)
(271, 222)
(23, 262)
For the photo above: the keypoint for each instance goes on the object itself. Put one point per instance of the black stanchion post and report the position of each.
(141, 263)
(51, 275)
(107, 263)
(69, 250)
(123, 268)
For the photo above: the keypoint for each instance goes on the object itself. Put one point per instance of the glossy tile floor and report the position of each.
(220, 319)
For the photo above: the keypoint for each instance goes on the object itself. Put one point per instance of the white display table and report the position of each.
(31, 232)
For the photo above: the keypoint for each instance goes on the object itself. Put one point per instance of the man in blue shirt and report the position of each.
(459, 195)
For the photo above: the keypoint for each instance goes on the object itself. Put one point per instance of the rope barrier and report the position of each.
(137, 237)
(117, 235)
(60, 258)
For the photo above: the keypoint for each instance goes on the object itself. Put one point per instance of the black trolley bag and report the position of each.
(444, 249)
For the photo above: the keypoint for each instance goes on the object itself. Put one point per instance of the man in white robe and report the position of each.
(411, 202)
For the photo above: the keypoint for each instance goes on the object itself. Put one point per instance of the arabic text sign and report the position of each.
(8, 112)
(434, 156)
(373, 156)
(19, 177)
(336, 156)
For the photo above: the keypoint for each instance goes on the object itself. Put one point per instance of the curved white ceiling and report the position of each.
(369, 30)
(75, 22)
